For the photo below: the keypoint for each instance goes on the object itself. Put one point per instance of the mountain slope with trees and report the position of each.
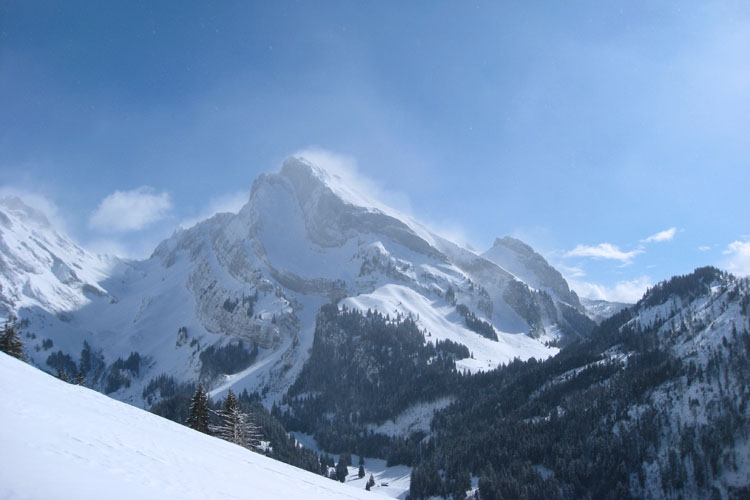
(654, 405)
(364, 369)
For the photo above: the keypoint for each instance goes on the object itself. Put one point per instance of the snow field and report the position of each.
(67, 442)
(391, 482)
(442, 322)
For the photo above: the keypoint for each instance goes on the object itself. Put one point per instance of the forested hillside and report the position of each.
(654, 405)
(365, 369)
(651, 405)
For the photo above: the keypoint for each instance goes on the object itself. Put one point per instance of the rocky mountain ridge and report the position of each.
(304, 239)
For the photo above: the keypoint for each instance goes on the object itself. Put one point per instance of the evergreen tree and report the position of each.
(488, 487)
(341, 470)
(236, 426)
(10, 340)
(230, 426)
(79, 379)
(370, 483)
(361, 471)
(198, 412)
(253, 432)
(324, 465)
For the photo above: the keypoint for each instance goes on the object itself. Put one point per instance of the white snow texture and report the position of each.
(64, 441)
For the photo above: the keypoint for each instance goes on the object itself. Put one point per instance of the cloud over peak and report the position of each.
(738, 258)
(627, 291)
(604, 251)
(125, 211)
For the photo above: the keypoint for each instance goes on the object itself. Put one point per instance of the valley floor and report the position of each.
(389, 481)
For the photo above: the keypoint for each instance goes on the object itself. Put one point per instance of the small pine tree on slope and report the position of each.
(10, 340)
(253, 433)
(230, 426)
(236, 426)
(341, 470)
(198, 412)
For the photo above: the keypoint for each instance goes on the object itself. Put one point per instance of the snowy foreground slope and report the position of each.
(65, 441)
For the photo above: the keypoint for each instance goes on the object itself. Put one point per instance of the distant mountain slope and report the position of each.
(232, 300)
(599, 310)
(66, 442)
(41, 267)
(527, 265)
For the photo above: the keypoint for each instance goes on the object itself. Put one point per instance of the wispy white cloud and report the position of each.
(604, 251)
(628, 291)
(570, 272)
(704, 248)
(229, 202)
(738, 258)
(124, 211)
(666, 235)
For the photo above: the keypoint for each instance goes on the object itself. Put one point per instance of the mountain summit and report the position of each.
(232, 300)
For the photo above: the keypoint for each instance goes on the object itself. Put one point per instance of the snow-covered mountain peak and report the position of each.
(311, 177)
(306, 202)
(313, 184)
(42, 267)
(306, 237)
(29, 215)
(510, 242)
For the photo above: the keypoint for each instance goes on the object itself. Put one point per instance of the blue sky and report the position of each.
(583, 128)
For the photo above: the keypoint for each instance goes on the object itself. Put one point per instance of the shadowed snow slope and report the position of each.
(64, 441)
